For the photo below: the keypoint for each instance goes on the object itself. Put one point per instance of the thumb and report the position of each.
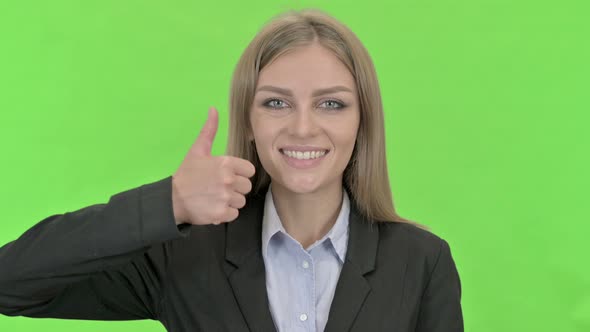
(204, 142)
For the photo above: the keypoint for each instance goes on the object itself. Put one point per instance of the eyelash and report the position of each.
(342, 105)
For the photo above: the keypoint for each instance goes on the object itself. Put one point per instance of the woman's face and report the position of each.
(305, 136)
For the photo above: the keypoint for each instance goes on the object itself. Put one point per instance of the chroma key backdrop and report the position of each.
(486, 107)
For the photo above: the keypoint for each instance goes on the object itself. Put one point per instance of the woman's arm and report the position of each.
(440, 309)
(102, 262)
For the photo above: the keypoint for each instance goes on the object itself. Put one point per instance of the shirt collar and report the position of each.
(338, 234)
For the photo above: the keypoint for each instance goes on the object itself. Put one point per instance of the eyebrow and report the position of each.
(316, 93)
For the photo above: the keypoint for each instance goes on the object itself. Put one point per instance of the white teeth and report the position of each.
(304, 155)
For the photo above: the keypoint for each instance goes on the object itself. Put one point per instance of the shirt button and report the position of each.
(303, 317)
(305, 264)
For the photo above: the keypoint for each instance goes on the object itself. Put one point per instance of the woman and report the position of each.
(293, 230)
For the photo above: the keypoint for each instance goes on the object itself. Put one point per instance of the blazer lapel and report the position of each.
(245, 268)
(352, 287)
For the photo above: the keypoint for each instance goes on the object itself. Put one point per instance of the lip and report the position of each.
(303, 163)
(302, 148)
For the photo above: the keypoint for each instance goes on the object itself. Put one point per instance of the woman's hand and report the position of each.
(210, 189)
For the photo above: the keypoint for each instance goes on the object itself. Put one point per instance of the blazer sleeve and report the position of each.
(440, 309)
(102, 262)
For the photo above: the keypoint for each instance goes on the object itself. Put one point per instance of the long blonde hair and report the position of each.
(365, 177)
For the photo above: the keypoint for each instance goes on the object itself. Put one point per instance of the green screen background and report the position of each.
(486, 106)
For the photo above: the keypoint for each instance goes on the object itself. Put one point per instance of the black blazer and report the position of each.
(127, 260)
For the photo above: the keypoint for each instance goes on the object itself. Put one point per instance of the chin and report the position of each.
(302, 184)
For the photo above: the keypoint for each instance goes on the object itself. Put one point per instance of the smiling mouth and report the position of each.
(304, 155)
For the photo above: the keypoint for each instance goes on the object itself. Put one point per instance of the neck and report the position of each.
(308, 217)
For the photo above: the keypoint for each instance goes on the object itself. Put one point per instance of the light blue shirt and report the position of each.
(301, 282)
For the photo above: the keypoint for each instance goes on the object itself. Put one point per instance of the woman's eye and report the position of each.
(336, 104)
(274, 103)
(278, 104)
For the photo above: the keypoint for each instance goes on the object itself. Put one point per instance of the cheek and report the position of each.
(264, 138)
(345, 132)
(263, 135)
(262, 127)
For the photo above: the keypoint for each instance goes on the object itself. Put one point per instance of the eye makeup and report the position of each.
(340, 104)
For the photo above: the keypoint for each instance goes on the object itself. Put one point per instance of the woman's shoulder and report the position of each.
(417, 240)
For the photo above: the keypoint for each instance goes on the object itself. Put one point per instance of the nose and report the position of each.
(303, 123)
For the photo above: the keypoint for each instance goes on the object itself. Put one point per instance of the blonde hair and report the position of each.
(365, 177)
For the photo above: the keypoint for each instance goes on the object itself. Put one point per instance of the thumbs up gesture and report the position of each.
(210, 189)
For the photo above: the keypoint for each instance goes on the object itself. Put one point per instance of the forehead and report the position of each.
(307, 68)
